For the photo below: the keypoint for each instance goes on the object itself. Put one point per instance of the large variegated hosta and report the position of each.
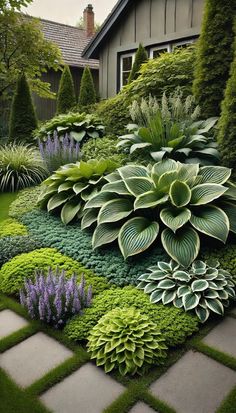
(72, 185)
(203, 288)
(176, 201)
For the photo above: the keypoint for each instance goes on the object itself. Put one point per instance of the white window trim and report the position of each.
(121, 65)
(183, 43)
(164, 46)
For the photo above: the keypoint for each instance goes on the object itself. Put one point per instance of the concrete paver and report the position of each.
(141, 407)
(223, 336)
(10, 322)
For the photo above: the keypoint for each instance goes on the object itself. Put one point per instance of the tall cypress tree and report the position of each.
(66, 93)
(87, 95)
(23, 117)
(141, 57)
(214, 55)
(227, 123)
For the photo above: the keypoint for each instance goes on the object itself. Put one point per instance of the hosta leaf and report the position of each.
(79, 187)
(175, 218)
(113, 177)
(180, 194)
(104, 234)
(212, 221)
(166, 180)
(115, 210)
(137, 235)
(99, 200)
(199, 285)
(206, 193)
(211, 294)
(181, 276)
(130, 171)
(149, 200)
(161, 167)
(215, 305)
(214, 174)
(57, 200)
(150, 287)
(166, 284)
(168, 297)
(65, 186)
(69, 211)
(138, 186)
(183, 246)
(178, 302)
(156, 296)
(190, 301)
(89, 217)
(202, 313)
(164, 266)
(157, 275)
(141, 145)
(117, 187)
(184, 289)
(230, 210)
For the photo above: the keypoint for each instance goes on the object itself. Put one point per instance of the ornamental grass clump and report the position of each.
(53, 298)
(56, 152)
(204, 287)
(126, 340)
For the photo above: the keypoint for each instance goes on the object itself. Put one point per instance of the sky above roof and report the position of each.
(69, 11)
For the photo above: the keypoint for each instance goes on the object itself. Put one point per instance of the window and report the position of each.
(126, 63)
(156, 51)
(181, 45)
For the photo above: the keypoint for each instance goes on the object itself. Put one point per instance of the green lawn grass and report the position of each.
(5, 200)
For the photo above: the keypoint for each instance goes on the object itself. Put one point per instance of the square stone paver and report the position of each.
(195, 384)
(33, 358)
(141, 407)
(88, 390)
(10, 322)
(223, 336)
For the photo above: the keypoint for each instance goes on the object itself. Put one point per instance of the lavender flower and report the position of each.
(53, 298)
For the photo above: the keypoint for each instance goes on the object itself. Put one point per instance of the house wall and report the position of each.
(46, 108)
(151, 22)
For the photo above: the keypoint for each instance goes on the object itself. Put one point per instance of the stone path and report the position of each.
(194, 384)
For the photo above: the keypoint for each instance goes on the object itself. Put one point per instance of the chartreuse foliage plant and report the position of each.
(204, 287)
(71, 186)
(126, 340)
(25, 201)
(175, 200)
(14, 273)
(11, 227)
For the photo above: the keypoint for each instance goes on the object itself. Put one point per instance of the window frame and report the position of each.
(181, 43)
(122, 56)
(159, 47)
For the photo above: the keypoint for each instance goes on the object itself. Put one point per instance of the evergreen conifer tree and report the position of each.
(66, 92)
(141, 57)
(214, 55)
(22, 117)
(87, 95)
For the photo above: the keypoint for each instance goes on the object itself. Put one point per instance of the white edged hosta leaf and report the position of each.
(57, 200)
(168, 297)
(182, 246)
(164, 266)
(157, 155)
(212, 294)
(65, 186)
(89, 217)
(99, 200)
(190, 301)
(212, 221)
(150, 287)
(199, 265)
(113, 177)
(181, 276)
(138, 185)
(104, 234)
(79, 187)
(230, 210)
(117, 187)
(184, 289)
(150, 199)
(180, 194)
(141, 145)
(165, 181)
(157, 275)
(131, 171)
(144, 277)
(115, 210)
(162, 167)
(156, 296)
(205, 193)
(69, 211)
(175, 218)
(187, 173)
(166, 284)
(199, 285)
(202, 313)
(178, 302)
(215, 174)
(136, 235)
(215, 305)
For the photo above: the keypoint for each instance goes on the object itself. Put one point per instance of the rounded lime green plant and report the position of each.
(126, 340)
(11, 227)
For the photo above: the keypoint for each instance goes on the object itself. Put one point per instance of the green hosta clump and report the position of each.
(204, 287)
(170, 199)
(127, 340)
(72, 185)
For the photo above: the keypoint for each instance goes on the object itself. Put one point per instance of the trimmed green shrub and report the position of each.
(103, 148)
(15, 272)
(75, 243)
(204, 287)
(22, 118)
(20, 167)
(141, 57)
(15, 245)
(174, 324)
(66, 93)
(114, 114)
(126, 340)
(226, 256)
(11, 227)
(87, 94)
(25, 202)
(227, 123)
(214, 55)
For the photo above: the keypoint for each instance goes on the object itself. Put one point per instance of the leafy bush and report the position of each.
(56, 152)
(87, 94)
(14, 273)
(186, 199)
(11, 227)
(71, 185)
(20, 167)
(127, 340)
(75, 243)
(103, 148)
(25, 202)
(226, 256)
(204, 287)
(114, 113)
(53, 298)
(214, 55)
(66, 92)
(22, 117)
(141, 57)
(174, 324)
(15, 245)
(79, 126)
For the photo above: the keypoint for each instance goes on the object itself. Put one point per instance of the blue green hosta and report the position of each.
(72, 185)
(203, 287)
(126, 340)
(170, 199)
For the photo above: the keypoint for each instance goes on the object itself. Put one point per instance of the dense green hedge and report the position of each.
(174, 323)
(114, 114)
(75, 243)
(25, 202)
(226, 256)
(103, 148)
(12, 246)
(10, 227)
(14, 272)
